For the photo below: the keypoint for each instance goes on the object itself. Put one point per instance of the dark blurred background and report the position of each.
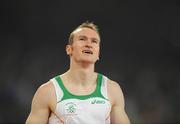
(140, 49)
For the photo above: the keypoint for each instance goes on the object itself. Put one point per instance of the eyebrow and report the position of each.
(83, 36)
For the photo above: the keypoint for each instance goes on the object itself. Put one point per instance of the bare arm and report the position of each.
(40, 106)
(118, 114)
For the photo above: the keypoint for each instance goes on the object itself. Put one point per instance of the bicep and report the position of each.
(39, 109)
(118, 114)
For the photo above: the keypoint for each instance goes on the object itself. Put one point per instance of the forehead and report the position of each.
(86, 32)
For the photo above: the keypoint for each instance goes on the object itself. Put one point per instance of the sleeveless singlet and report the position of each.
(81, 109)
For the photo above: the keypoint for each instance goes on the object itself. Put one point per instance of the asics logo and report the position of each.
(96, 101)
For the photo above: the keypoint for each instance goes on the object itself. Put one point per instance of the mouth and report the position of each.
(87, 52)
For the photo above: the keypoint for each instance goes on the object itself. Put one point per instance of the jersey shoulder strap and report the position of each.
(104, 91)
(58, 90)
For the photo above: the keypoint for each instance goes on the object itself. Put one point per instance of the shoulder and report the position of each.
(115, 92)
(114, 87)
(41, 104)
(113, 84)
(45, 88)
(45, 94)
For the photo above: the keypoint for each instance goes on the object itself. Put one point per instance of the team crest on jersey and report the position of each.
(71, 108)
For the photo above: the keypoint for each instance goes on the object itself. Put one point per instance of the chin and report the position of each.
(88, 61)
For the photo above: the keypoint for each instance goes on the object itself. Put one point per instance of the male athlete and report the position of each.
(80, 95)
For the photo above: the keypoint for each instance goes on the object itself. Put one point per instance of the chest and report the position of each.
(92, 107)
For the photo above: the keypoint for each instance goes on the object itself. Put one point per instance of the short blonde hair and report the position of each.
(86, 24)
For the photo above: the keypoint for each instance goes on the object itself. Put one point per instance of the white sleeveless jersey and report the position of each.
(85, 109)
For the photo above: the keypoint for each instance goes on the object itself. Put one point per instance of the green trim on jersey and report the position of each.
(68, 95)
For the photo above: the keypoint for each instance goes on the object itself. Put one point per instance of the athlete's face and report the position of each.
(85, 46)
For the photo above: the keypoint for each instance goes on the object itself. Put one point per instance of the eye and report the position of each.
(94, 41)
(81, 39)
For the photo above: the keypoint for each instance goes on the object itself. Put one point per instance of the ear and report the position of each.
(98, 58)
(98, 55)
(68, 49)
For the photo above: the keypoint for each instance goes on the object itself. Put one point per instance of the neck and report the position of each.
(81, 73)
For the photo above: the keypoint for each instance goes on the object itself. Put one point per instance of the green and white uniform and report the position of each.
(85, 109)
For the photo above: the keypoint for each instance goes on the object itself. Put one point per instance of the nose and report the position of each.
(88, 44)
